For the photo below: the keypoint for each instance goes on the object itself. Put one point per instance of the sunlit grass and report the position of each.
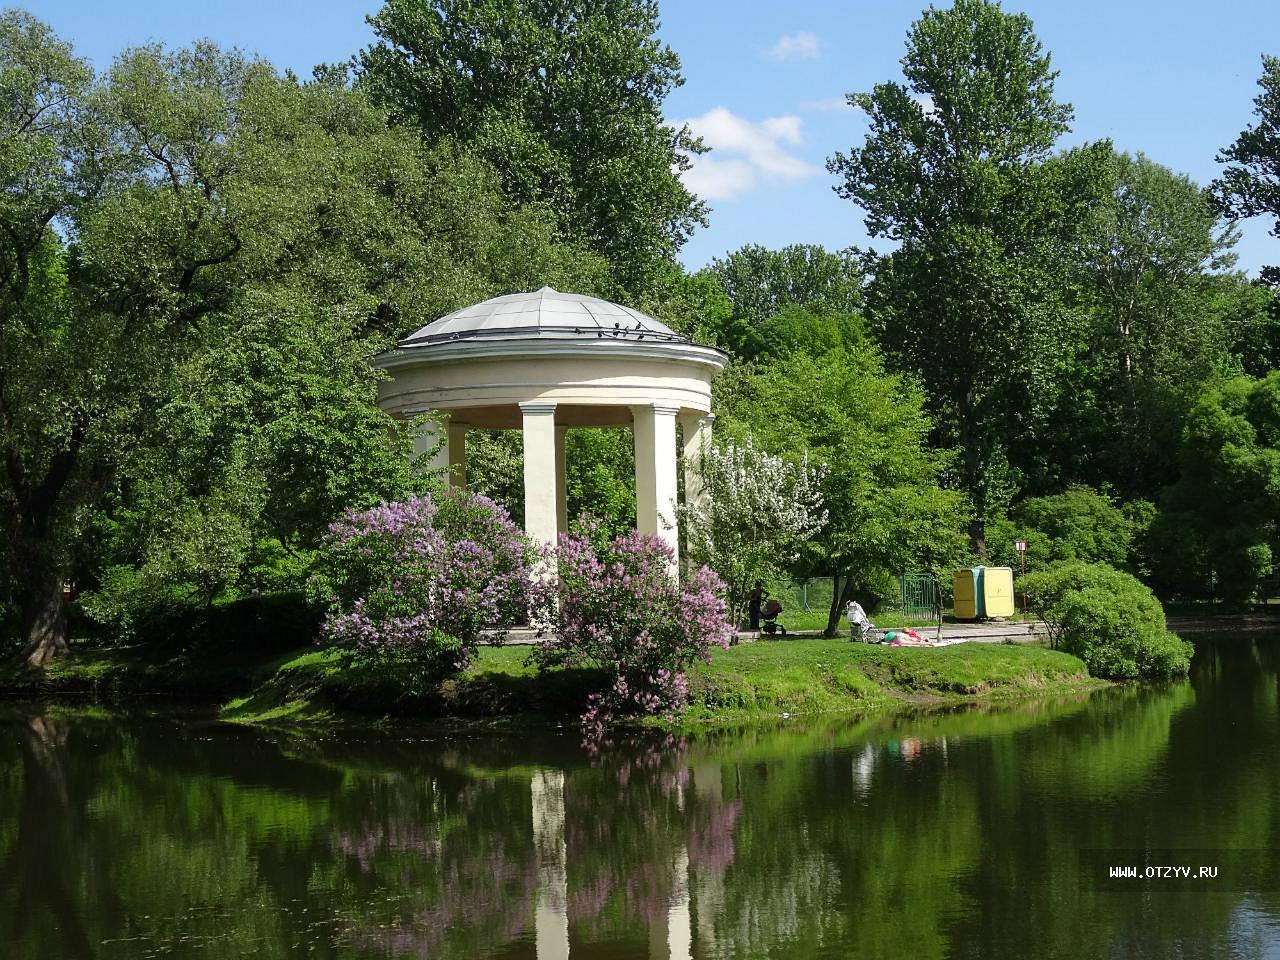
(814, 675)
(764, 678)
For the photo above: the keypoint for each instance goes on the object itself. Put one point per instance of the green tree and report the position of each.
(1166, 314)
(1227, 499)
(954, 172)
(1252, 316)
(887, 512)
(199, 257)
(797, 330)
(564, 99)
(1250, 182)
(600, 473)
(802, 278)
(1077, 524)
(693, 304)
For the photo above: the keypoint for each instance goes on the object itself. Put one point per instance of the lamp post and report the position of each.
(1021, 547)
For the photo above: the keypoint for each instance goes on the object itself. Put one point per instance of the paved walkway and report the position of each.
(1012, 631)
(992, 631)
(1022, 631)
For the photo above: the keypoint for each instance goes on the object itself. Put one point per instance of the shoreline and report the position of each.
(273, 680)
(763, 680)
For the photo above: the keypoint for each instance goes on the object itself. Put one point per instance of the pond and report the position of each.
(984, 832)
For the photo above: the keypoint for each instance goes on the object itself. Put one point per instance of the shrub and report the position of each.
(414, 584)
(1079, 524)
(1108, 619)
(613, 606)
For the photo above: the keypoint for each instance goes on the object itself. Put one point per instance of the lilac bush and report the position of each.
(414, 584)
(612, 605)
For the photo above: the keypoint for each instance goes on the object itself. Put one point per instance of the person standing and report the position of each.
(754, 600)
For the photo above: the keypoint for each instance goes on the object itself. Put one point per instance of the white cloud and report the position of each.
(796, 46)
(713, 179)
(744, 153)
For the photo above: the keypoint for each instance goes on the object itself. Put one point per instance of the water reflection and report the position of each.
(551, 922)
(935, 834)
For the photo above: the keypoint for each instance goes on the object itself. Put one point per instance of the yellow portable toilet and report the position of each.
(964, 585)
(997, 591)
(983, 592)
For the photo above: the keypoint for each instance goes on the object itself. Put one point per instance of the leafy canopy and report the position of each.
(198, 255)
(564, 99)
(955, 171)
(1077, 524)
(1228, 497)
(867, 429)
(1165, 313)
(1250, 182)
(797, 282)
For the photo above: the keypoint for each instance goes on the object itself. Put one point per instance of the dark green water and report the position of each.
(958, 834)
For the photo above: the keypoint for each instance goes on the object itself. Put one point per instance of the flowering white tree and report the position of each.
(754, 513)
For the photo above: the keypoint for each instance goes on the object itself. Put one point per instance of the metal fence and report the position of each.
(917, 595)
(805, 595)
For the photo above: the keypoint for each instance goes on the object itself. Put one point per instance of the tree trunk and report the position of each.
(839, 599)
(44, 619)
(974, 478)
(978, 537)
(35, 559)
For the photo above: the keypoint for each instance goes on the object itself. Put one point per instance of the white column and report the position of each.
(550, 911)
(655, 439)
(458, 453)
(430, 444)
(562, 490)
(540, 493)
(697, 434)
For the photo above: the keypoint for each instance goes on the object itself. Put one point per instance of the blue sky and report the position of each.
(1172, 78)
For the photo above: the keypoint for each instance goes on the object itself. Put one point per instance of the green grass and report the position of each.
(818, 676)
(752, 680)
(767, 678)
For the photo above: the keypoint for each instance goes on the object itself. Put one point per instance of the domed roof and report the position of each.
(544, 314)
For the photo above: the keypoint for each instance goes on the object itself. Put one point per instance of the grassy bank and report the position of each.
(821, 676)
(753, 680)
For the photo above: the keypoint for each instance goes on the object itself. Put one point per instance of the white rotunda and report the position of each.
(544, 362)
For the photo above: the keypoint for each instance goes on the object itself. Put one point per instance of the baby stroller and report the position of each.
(860, 625)
(769, 624)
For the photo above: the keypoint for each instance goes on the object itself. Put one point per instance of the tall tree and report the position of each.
(775, 295)
(1250, 181)
(1166, 314)
(1226, 504)
(55, 159)
(881, 484)
(184, 240)
(761, 282)
(954, 172)
(564, 98)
